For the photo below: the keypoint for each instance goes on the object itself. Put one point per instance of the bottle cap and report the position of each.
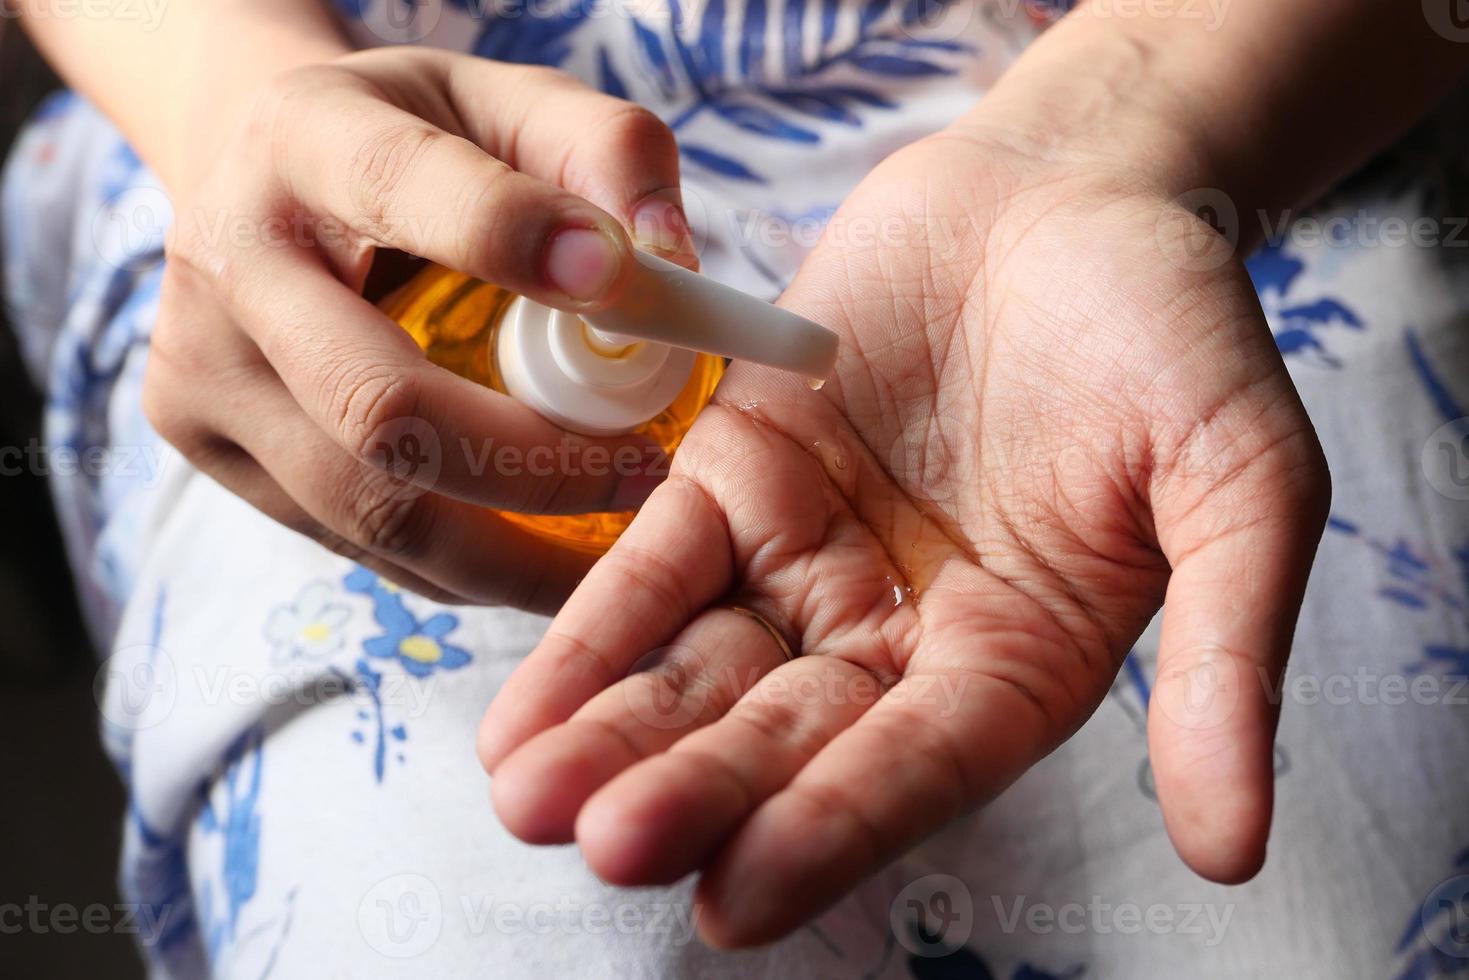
(611, 371)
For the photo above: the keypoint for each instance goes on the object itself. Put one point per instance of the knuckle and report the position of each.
(169, 414)
(362, 402)
(272, 114)
(194, 255)
(381, 166)
(388, 524)
(635, 130)
(477, 245)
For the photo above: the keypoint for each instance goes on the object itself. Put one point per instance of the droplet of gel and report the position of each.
(815, 384)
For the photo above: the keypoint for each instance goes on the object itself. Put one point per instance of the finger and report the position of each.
(670, 563)
(552, 126)
(364, 382)
(399, 181)
(539, 789)
(665, 817)
(1240, 563)
(457, 548)
(940, 741)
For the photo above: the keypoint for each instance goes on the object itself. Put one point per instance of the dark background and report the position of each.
(61, 815)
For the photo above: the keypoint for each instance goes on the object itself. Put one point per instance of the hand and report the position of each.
(273, 375)
(1044, 421)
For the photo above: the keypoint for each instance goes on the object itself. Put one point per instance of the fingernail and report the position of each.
(661, 226)
(582, 262)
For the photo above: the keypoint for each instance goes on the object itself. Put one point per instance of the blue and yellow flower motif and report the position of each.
(419, 646)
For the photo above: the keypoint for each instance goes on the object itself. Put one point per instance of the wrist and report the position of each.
(1122, 117)
(236, 53)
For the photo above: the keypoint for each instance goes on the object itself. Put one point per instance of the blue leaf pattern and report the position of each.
(752, 41)
(898, 66)
(719, 163)
(651, 49)
(821, 104)
(610, 82)
(881, 49)
(756, 120)
(532, 37)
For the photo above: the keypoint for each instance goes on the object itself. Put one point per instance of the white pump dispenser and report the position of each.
(609, 372)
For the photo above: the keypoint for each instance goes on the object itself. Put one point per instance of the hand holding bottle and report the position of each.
(273, 374)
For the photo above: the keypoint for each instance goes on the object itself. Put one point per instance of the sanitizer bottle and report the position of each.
(649, 363)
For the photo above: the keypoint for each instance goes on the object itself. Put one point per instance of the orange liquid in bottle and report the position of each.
(454, 317)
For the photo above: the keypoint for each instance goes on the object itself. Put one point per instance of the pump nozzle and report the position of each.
(592, 374)
(669, 304)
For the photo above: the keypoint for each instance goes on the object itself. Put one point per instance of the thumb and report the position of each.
(1241, 544)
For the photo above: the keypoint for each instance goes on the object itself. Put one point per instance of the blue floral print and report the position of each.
(420, 648)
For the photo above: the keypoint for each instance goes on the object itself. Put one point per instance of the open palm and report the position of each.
(1049, 412)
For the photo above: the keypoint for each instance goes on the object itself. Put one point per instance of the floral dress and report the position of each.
(297, 732)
